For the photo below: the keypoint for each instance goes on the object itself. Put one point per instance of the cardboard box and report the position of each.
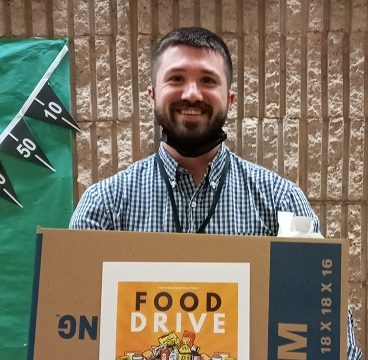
(106, 294)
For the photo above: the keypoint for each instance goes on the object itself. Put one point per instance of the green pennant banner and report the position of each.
(30, 195)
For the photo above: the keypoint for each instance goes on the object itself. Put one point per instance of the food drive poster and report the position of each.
(207, 311)
(182, 308)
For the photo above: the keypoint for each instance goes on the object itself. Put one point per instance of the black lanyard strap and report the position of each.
(171, 193)
(215, 200)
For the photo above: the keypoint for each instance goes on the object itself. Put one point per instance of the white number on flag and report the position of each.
(26, 148)
(55, 108)
(2, 179)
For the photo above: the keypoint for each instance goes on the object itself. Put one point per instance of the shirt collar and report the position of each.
(215, 167)
(170, 165)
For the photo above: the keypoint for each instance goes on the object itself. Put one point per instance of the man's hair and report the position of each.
(194, 37)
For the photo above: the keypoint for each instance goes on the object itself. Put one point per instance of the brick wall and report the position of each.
(302, 98)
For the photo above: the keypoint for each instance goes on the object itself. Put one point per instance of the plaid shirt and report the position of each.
(137, 200)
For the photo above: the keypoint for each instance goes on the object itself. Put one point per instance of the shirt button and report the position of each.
(194, 204)
(213, 185)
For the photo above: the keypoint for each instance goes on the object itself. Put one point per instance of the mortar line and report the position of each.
(324, 109)
(176, 13)
(282, 76)
(135, 88)
(364, 207)
(218, 16)
(7, 18)
(240, 78)
(261, 80)
(49, 18)
(303, 125)
(92, 66)
(154, 39)
(197, 12)
(346, 106)
(28, 17)
(114, 86)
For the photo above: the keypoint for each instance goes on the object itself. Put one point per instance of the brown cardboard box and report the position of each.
(298, 289)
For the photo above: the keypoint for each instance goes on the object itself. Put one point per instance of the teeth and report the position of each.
(191, 112)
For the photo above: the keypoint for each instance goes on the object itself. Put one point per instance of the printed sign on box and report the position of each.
(169, 302)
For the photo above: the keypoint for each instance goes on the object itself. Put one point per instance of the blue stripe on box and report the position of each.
(304, 301)
(36, 284)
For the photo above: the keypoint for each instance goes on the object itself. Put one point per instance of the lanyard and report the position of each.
(215, 200)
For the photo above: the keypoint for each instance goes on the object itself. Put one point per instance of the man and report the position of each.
(193, 183)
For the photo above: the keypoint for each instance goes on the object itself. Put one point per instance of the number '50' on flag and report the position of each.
(21, 143)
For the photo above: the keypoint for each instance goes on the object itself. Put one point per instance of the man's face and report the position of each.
(191, 96)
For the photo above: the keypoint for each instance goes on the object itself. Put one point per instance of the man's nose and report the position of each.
(192, 92)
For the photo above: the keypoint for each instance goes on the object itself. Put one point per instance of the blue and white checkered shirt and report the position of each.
(137, 200)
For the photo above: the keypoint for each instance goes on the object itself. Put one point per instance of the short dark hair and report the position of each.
(195, 37)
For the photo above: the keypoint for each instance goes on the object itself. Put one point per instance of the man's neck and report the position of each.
(197, 166)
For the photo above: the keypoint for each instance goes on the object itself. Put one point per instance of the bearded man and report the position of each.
(193, 184)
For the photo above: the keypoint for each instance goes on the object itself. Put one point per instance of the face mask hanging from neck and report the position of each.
(188, 149)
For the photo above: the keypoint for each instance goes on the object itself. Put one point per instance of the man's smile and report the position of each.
(190, 111)
(187, 109)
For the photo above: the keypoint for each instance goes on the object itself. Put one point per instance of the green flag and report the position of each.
(36, 170)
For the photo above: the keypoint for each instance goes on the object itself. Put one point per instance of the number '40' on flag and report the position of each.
(48, 107)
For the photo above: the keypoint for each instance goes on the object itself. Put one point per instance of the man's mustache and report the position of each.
(184, 104)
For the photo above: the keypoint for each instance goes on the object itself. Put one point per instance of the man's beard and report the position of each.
(192, 140)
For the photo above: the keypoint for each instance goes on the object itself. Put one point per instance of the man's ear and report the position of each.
(151, 92)
(231, 98)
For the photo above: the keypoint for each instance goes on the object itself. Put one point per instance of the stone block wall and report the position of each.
(301, 78)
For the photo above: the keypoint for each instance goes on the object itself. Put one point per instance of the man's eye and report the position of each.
(208, 80)
(176, 79)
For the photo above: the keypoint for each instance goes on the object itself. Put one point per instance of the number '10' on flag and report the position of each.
(48, 107)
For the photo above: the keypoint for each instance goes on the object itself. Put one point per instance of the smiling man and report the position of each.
(191, 98)
(193, 183)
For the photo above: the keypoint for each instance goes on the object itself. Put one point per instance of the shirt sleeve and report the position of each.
(90, 213)
(354, 353)
(296, 202)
